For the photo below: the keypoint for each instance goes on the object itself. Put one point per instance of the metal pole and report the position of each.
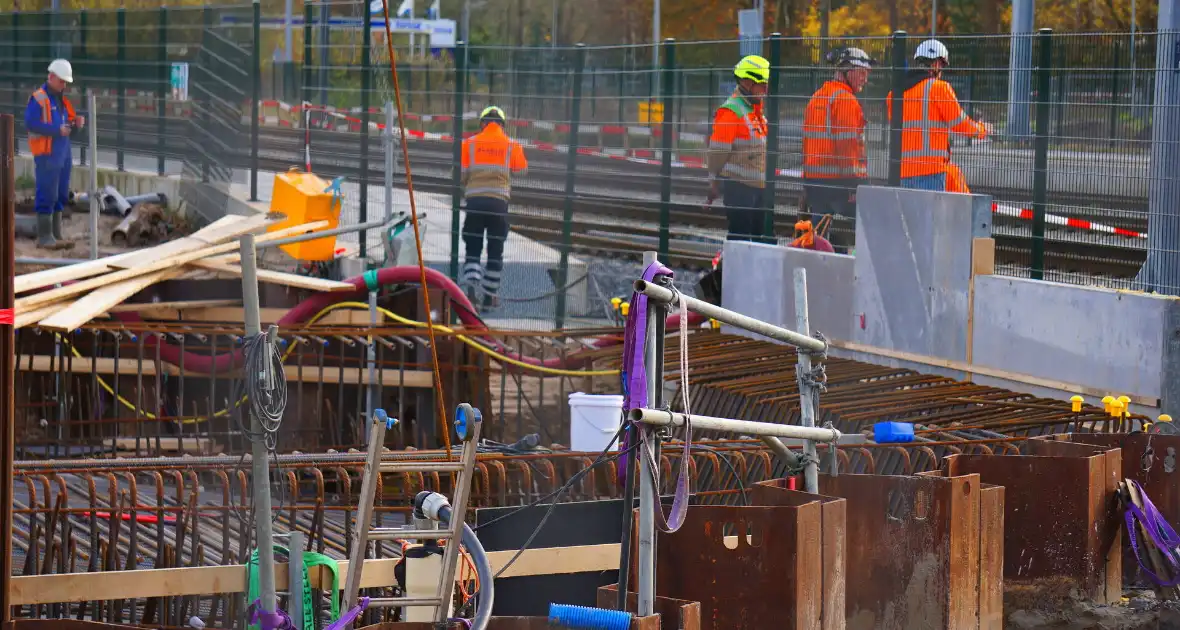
(165, 87)
(1161, 272)
(255, 98)
(7, 359)
(371, 355)
(669, 85)
(295, 572)
(259, 464)
(773, 113)
(1041, 153)
(655, 44)
(807, 393)
(726, 316)
(288, 41)
(121, 91)
(92, 134)
(661, 418)
(895, 101)
(1020, 70)
(649, 500)
(456, 160)
(933, 17)
(571, 164)
(366, 94)
(390, 161)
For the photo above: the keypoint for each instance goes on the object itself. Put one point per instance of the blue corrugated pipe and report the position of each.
(583, 618)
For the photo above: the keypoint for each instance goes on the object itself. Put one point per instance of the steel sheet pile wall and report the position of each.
(1062, 531)
(776, 563)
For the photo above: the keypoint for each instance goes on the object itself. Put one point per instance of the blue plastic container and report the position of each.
(892, 432)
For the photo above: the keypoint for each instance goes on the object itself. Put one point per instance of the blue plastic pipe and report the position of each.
(583, 618)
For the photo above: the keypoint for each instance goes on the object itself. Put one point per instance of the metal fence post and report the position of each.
(571, 163)
(14, 42)
(1114, 92)
(120, 88)
(1041, 151)
(165, 88)
(308, 18)
(668, 92)
(83, 84)
(456, 161)
(773, 109)
(898, 64)
(255, 95)
(366, 89)
(202, 105)
(325, 43)
(92, 135)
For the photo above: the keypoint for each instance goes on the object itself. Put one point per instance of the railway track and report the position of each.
(616, 203)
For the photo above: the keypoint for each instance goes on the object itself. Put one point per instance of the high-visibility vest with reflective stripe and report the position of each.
(489, 159)
(833, 134)
(43, 145)
(742, 158)
(930, 113)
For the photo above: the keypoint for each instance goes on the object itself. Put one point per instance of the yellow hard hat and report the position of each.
(492, 112)
(754, 68)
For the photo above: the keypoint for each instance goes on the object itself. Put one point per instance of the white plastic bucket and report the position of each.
(594, 420)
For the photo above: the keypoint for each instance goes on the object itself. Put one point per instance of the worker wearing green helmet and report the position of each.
(737, 152)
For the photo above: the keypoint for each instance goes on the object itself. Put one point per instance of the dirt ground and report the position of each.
(1138, 610)
(75, 228)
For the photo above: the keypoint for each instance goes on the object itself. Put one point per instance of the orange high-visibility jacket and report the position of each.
(737, 148)
(834, 134)
(43, 145)
(930, 113)
(955, 182)
(489, 159)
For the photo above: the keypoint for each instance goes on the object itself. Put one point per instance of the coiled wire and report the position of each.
(264, 386)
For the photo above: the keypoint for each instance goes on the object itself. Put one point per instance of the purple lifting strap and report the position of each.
(277, 620)
(350, 615)
(634, 375)
(1159, 531)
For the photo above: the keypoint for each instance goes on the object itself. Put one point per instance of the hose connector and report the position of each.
(429, 504)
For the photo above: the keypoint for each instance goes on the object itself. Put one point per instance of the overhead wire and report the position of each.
(440, 399)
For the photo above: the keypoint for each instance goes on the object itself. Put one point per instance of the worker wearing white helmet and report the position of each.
(930, 113)
(50, 119)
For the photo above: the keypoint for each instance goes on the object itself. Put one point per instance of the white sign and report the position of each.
(442, 32)
(750, 31)
(180, 81)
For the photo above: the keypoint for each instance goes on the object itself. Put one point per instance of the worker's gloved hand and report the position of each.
(79, 121)
(66, 130)
(985, 130)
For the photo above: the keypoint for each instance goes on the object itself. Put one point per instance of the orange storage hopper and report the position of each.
(302, 197)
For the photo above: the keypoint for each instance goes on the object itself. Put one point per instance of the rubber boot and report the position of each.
(57, 226)
(45, 238)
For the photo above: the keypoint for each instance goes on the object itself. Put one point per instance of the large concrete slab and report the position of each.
(759, 280)
(913, 268)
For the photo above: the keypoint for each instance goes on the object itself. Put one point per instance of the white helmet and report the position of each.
(62, 69)
(932, 49)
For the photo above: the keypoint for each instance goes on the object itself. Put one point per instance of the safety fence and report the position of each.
(616, 136)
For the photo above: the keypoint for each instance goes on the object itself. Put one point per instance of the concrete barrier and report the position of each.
(127, 182)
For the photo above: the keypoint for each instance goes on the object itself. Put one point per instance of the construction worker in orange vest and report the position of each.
(737, 152)
(834, 162)
(50, 119)
(930, 113)
(489, 159)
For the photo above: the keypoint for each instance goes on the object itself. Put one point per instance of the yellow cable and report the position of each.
(320, 315)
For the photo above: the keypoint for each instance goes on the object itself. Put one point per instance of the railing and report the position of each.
(1068, 164)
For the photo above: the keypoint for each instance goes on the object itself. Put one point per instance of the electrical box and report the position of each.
(304, 198)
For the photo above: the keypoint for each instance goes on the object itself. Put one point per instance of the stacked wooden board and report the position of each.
(67, 297)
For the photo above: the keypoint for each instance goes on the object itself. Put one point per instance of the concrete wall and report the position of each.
(910, 281)
(761, 279)
(913, 268)
(128, 183)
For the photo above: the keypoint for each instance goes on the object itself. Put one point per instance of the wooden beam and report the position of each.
(172, 306)
(310, 373)
(25, 318)
(99, 301)
(144, 583)
(342, 317)
(277, 277)
(167, 262)
(220, 231)
(970, 368)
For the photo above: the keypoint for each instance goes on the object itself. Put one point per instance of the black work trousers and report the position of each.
(836, 197)
(744, 213)
(485, 215)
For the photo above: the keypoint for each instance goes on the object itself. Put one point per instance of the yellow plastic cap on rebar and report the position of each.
(1116, 409)
(615, 303)
(1075, 402)
(716, 325)
(1164, 418)
(1106, 401)
(1125, 401)
(625, 308)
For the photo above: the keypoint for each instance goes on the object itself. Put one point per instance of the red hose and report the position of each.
(305, 310)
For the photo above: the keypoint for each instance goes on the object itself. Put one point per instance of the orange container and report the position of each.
(301, 197)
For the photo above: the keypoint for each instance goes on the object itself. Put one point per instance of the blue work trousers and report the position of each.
(53, 184)
(936, 182)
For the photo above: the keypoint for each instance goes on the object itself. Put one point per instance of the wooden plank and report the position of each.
(344, 317)
(277, 277)
(220, 231)
(293, 374)
(89, 268)
(99, 301)
(90, 284)
(25, 318)
(173, 306)
(962, 366)
(192, 445)
(143, 583)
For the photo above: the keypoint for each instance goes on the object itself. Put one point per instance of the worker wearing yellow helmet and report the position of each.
(737, 152)
(489, 158)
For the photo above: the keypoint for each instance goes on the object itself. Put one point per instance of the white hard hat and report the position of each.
(62, 69)
(932, 49)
